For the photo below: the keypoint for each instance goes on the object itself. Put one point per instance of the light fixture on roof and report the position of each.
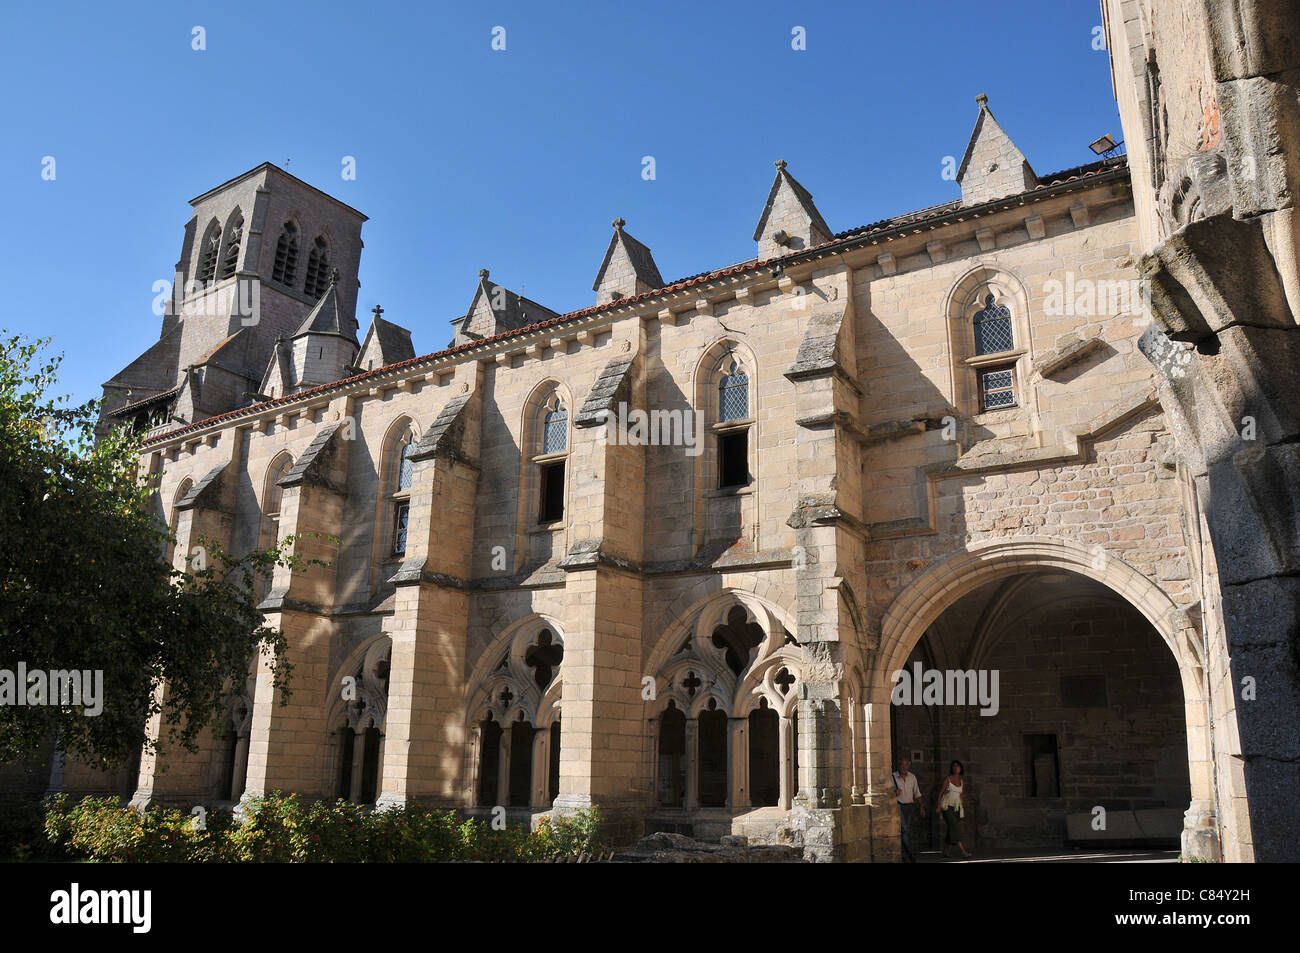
(1106, 146)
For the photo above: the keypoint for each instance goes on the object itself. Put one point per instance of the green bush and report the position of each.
(22, 830)
(283, 829)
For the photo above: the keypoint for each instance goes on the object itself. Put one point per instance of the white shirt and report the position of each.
(909, 792)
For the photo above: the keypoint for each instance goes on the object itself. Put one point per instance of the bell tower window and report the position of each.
(209, 249)
(234, 237)
(318, 268)
(286, 255)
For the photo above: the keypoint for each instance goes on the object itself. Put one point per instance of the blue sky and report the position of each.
(513, 160)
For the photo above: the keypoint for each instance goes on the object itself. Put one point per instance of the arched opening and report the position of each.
(521, 763)
(1065, 705)
(489, 761)
(672, 757)
(764, 756)
(370, 766)
(347, 747)
(714, 777)
(234, 239)
(272, 500)
(286, 255)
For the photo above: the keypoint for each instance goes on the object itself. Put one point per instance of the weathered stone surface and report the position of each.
(680, 849)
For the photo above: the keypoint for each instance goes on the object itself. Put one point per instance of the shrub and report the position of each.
(282, 828)
(22, 830)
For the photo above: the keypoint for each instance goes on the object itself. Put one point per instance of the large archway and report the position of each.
(1094, 679)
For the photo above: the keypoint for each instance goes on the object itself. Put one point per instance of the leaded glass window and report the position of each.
(407, 468)
(733, 395)
(993, 328)
(555, 438)
(998, 388)
(399, 529)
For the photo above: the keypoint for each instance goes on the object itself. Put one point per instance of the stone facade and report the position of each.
(861, 447)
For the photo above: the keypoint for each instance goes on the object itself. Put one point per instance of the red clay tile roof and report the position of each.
(1093, 169)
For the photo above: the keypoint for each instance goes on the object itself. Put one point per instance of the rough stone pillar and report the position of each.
(425, 734)
(1209, 96)
(540, 798)
(288, 744)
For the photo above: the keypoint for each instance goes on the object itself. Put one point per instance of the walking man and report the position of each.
(909, 800)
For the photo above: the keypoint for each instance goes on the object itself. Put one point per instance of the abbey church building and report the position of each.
(668, 553)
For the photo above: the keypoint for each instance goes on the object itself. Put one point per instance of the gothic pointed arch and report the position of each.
(209, 251)
(231, 245)
(989, 342)
(318, 268)
(396, 473)
(546, 435)
(272, 500)
(285, 267)
(513, 716)
(356, 721)
(734, 658)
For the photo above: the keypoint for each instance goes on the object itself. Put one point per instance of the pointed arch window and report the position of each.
(272, 502)
(552, 459)
(234, 238)
(401, 498)
(556, 437)
(318, 268)
(286, 255)
(993, 332)
(174, 523)
(732, 426)
(733, 394)
(209, 250)
(360, 733)
(993, 336)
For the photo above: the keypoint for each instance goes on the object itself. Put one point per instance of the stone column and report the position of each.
(740, 797)
(540, 799)
(790, 786)
(692, 799)
(358, 765)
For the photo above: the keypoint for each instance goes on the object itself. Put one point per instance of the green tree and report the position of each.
(84, 584)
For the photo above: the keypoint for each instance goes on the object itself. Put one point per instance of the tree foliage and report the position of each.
(85, 584)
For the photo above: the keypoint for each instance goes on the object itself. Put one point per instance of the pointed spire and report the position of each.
(385, 343)
(992, 166)
(790, 221)
(327, 317)
(627, 269)
(495, 309)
